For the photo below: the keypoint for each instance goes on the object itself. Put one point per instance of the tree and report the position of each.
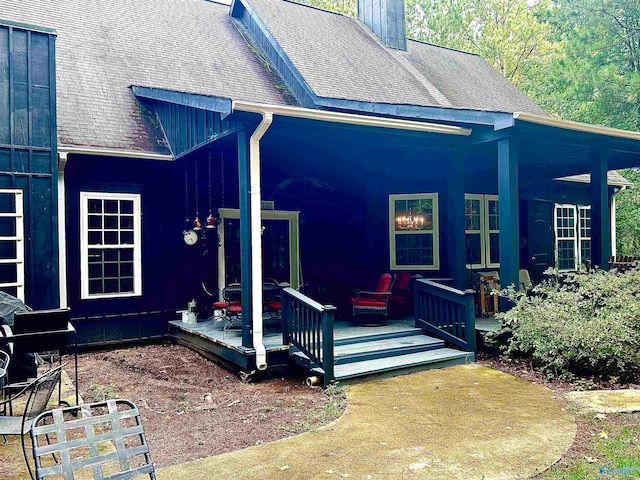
(595, 75)
(506, 33)
(345, 7)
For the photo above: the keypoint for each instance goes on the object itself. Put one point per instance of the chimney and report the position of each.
(385, 18)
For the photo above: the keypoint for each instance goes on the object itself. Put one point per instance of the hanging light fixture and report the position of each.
(411, 221)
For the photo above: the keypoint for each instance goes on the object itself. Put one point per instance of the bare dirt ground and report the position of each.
(192, 408)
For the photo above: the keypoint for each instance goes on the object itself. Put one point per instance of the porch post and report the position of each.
(456, 222)
(508, 213)
(245, 238)
(600, 213)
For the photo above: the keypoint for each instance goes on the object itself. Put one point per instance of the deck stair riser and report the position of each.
(385, 348)
(368, 352)
(442, 357)
(372, 337)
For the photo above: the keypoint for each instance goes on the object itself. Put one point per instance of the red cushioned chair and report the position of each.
(401, 298)
(230, 309)
(373, 302)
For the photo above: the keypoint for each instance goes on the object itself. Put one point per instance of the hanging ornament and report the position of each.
(197, 225)
(211, 222)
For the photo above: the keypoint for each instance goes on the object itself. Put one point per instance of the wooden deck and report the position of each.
(213, 331)
(358, 349)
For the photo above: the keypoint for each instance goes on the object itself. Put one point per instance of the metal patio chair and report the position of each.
(38, 394)
(5, 358)
(105, 439)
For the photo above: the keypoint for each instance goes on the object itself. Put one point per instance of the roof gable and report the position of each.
(339, 58)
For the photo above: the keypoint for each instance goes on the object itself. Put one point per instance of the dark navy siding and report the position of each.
(172, 272)
(28, 151)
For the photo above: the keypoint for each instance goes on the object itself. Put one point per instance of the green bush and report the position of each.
(585, 324)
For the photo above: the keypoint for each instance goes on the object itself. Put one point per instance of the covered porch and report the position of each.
(346, 179)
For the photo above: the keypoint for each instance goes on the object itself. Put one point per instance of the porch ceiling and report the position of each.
(550, 153)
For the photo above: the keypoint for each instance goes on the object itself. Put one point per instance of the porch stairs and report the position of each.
(388, 352)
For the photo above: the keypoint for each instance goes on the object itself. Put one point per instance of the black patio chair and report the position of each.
(38, 394)
(105, 439)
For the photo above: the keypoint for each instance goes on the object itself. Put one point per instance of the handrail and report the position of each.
(308, 326)
(446, 312)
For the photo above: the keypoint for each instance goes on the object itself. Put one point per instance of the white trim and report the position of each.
(575, 126)
(575, 237)
(488, 231)
(434, 231)
(484, 232)
(614, 233)
(136, 247)
(113, 152)
(62, 237)
(294, 243)
(19, 240)
(348, 118)
(480, 231)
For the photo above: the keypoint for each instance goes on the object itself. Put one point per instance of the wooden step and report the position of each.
(372, 334)
(388, 347)
(439, 358)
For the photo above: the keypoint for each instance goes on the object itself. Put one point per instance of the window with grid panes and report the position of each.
(415, 249)
(482, 230)
(110, 244)
(585, 233)
(12, 243)
(573, 236)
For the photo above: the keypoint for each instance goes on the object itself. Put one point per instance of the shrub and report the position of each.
(588, 323)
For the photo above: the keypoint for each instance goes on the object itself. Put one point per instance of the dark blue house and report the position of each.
(309, 147)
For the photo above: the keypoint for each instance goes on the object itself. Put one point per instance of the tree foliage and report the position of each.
(594, 75)
(506, 33)
(628, 216)
(345, 7)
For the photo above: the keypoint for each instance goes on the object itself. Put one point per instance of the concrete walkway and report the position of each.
(466, 422)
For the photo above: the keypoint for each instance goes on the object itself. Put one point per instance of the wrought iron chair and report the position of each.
(373, 302)
(230, 308)
(38, 394)
(105, 439)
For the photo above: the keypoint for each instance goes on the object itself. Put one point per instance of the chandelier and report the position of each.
(411, 222)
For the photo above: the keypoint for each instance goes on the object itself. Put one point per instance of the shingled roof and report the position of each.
(104, 47)
(340, 58)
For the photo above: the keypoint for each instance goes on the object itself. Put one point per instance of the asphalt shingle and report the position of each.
(102, 48)
(341, 59)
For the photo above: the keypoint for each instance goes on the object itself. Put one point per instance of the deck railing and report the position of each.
(308, 326)
(446, 312)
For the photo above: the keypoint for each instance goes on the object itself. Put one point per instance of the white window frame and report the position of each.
(480, 231)
(484, 232)
(18, 261)
(491, 262)
(582, 238)
(577, 234)
(84, 243)
(434, 231)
